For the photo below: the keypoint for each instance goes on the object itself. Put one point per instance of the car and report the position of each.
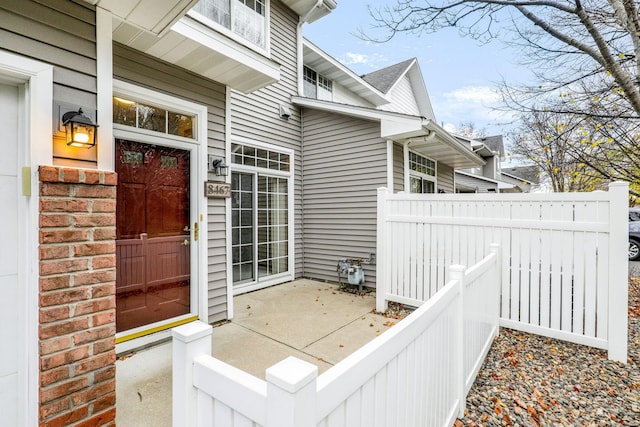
(634, 240)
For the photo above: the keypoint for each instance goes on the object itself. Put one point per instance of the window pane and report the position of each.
(124, 112)
(218, 11)
(180, 125)
(152, 118)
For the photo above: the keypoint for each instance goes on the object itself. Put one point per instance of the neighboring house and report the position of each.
(492, 177)
(525, 178)
(359, 134)
(92, 257)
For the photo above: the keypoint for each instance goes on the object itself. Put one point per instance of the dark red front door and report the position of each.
(152, 242)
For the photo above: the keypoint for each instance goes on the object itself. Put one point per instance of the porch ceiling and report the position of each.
(436, 143)
(195, 47)
(154, 16)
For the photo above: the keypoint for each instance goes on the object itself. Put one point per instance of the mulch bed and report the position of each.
(529, 380)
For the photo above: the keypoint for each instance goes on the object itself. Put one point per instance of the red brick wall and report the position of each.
(77, 297)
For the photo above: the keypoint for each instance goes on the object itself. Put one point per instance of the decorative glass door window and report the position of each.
(259, 214)
(246, 18)
(157, 119)
(422, 174)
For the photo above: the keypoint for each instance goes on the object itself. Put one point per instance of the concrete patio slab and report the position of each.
(311, 320)
(301, 312)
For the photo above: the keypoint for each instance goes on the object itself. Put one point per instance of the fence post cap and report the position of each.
(191, 331)
(619, 184)
(291, 374)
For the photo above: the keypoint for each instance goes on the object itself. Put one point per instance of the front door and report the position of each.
(153, 282)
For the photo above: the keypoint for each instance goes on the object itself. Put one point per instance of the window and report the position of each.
(317, 86)
(246, 18)
(149, 117)
(422, 174)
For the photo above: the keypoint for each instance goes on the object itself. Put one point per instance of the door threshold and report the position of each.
(140, 338)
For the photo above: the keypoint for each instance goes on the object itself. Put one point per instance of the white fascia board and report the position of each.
(353, 110)
(376, 97)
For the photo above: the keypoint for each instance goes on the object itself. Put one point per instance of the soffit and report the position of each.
(322, 63)
(197, 48)
(154, 16)
(311, 9)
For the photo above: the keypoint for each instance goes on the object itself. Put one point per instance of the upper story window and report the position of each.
(317, 86)
(422, 174)
(245, 18)
(149, 117)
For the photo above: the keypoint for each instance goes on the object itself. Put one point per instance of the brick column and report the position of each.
(77, 297)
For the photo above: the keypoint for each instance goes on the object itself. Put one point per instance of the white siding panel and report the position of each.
(403, 99)
(344, 164)
(445, 178)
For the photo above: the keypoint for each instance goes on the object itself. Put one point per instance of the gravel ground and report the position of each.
(529, 380)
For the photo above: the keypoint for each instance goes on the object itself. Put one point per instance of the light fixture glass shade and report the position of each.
(79, 129)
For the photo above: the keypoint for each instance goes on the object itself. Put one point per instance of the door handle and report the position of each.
(196, 230)
(186, 242)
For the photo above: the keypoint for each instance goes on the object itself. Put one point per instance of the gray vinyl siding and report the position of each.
(63, 34)
(344, 163)
(445, 178)
(256, 118)
(135, 67)
(398, 168)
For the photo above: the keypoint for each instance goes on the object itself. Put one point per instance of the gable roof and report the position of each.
(528, 173)
(494, 143)
(385, 78)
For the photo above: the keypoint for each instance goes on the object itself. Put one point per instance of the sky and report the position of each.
(460, 73)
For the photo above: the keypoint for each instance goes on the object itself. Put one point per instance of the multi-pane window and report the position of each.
(259, 157)
(157, 119)
(422, 174)
(246, 18)
(316, 85)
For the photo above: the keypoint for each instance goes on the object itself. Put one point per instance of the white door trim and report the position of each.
(199, 175)
(36, 148)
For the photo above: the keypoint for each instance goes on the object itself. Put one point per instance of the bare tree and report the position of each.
(470, 130)
(588, 49)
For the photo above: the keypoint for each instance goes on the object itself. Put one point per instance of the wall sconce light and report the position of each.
(79, 129)
(217, 166)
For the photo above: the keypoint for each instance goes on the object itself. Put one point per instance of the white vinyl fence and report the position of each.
(564, 269)
(417, 373)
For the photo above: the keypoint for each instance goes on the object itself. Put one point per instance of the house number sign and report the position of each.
(216, 190)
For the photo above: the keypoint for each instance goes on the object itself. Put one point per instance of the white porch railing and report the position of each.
(564, 271)
(417, 373)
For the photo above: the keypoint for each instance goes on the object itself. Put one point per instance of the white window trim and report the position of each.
(199, 211)
(408, 172)
(35, 148)
(235, 167)
(213, 25)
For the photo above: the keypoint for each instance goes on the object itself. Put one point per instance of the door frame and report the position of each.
(290, 175)
(154, 332)
(35, 82)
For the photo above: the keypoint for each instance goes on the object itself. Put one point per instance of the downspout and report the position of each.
(300, 65)
(303, 19)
